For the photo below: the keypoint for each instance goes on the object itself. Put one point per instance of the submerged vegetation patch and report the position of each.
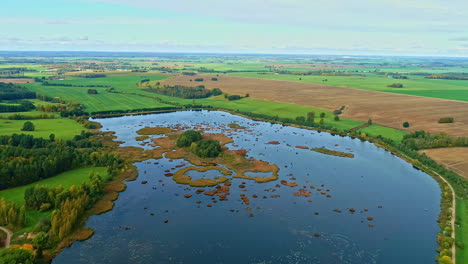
(181, 177)
(235, 126)
(154, 131)
(333, 152)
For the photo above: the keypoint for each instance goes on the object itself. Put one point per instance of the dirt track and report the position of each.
(8, 238)
(383, 108)
(17, 80)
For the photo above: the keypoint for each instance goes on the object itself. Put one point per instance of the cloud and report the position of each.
(459, 39)
(320, 12)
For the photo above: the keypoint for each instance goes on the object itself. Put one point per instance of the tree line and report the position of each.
(45, 83)
(21, 106)
(424, 140)
(25, 159)
(185, 91)
(9, 91)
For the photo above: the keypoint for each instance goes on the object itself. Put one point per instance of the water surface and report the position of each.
(403, 201)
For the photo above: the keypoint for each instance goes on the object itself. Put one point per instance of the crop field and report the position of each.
(386, 109)
(456, 159)
(17, 80)
(445, 89)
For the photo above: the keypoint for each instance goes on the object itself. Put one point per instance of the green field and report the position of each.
(375, 130)
(66, 179)
(62, 128)
(445, 89)
(103, 101)
(461, 233)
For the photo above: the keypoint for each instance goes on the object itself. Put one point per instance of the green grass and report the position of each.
(62, 128)
(445, 89)
(461, 233)
(66, 179)
(33, 113)
(375, 130)
(103, 101)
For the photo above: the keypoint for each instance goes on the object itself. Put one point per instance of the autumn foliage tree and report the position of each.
(11, 214)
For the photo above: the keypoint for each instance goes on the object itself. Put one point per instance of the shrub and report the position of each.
(92, 91)
(446, 120)
(395, 85)
(406, 124)
(16, 256)
(337, 118)
(322, 115)
(187, 138)
(199, 79)
(300, 118)
(206, 148)
(234, 97)
(214, 79)
(216, 91)
(28, 126)
(337, 112)
(189, 73)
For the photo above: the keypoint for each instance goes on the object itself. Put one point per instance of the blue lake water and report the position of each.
(403, 201)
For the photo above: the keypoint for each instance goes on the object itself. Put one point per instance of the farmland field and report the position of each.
(445, 89)
(103, 101)
(62, 128)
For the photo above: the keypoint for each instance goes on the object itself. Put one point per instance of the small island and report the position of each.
(326, 151)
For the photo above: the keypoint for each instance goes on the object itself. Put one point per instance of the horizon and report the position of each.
(351, 56)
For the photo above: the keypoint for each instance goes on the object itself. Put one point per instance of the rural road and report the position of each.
(454, 198)
(454, 206)
(8, 238)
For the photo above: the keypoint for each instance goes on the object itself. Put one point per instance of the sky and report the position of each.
(344, 27)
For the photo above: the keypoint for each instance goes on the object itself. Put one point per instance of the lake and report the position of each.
(401, 202)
